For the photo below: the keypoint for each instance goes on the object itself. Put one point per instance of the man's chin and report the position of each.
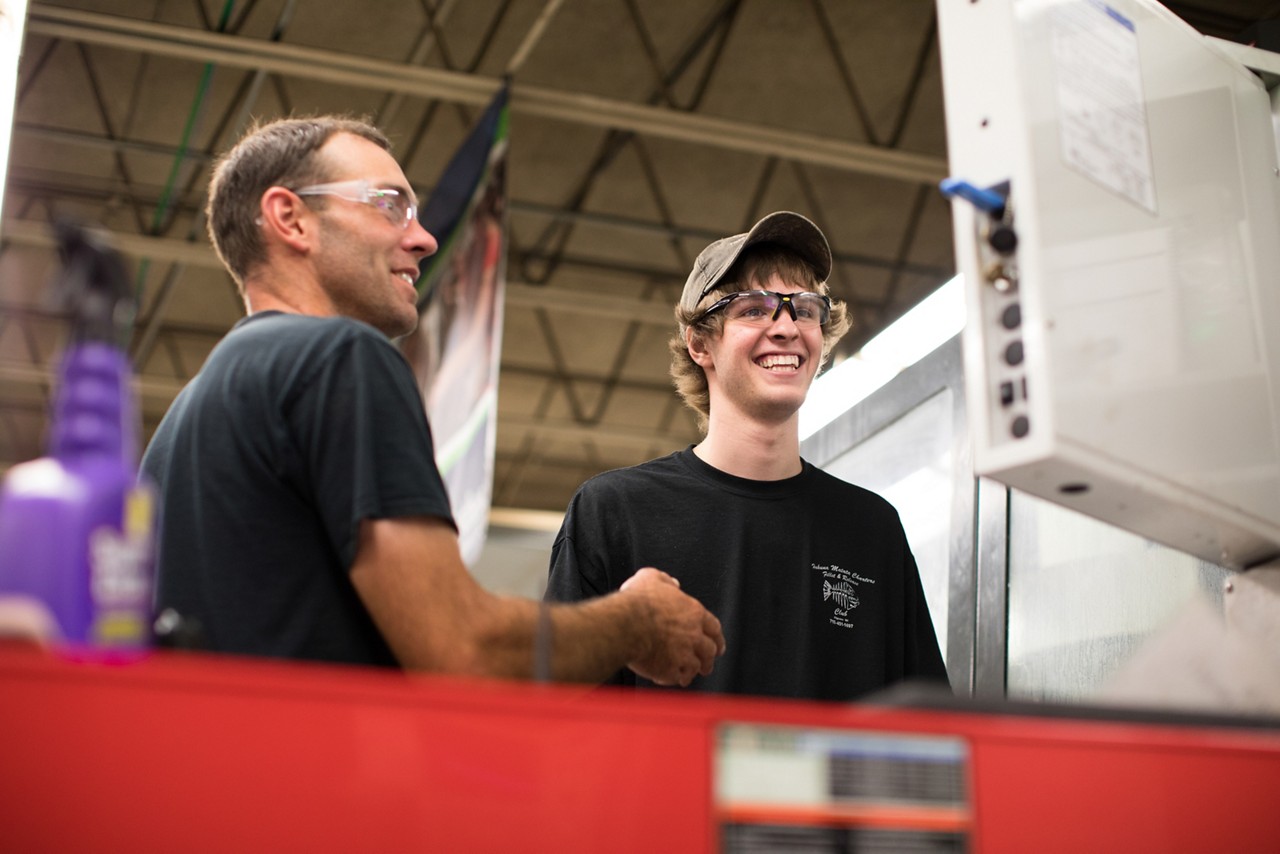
(778, 410)
(395, 330)
(404, 323)
(399, 332)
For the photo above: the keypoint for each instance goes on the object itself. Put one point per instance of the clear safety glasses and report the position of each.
(761, 308)
(393, 204)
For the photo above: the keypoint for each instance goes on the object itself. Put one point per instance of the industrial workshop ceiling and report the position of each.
(640, 131)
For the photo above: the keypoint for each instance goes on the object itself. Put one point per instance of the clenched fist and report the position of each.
(684, 637)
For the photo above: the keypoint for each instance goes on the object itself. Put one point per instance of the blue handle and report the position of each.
(983, 199)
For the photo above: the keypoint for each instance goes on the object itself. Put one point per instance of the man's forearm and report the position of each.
(437, 619)
(592, 640)
(583, 642)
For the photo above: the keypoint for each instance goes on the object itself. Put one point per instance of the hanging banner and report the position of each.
(456, 349)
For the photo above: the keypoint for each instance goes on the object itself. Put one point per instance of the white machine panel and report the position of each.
(1123, 344)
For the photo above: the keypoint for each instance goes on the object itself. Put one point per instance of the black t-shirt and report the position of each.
(811, 577)
(295, 430)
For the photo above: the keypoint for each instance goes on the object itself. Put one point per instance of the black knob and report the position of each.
(1013, 353)
(1003, 239)
(1011, 317)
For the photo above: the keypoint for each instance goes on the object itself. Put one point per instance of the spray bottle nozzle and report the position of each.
(93, 284)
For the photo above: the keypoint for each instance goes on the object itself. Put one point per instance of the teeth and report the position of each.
(771, 362)
(407, 277)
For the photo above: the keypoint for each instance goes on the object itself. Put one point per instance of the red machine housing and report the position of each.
(211, 753)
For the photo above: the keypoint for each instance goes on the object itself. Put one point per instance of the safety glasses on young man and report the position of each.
(393, 204)
(761, 308)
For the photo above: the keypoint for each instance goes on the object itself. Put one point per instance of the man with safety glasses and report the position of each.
(302, 513)
(812, 577)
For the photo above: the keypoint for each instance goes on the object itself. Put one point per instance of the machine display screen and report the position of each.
(780, 788)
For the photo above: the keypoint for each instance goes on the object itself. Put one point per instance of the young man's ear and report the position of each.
(697, 346)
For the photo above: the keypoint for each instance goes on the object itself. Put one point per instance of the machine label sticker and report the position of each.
(1101, 108)
(840, 590)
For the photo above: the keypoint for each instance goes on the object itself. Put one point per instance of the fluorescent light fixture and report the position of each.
(908, 340)
(13, 22)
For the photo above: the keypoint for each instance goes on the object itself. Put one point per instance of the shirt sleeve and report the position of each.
(361, 433)
(924, 656)
(579, 563)
(572, 577)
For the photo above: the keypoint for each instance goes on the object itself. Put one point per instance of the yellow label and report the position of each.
(138, 513)
(118, 627)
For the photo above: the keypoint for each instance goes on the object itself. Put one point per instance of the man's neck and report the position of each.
(753, 451)
(292, 292)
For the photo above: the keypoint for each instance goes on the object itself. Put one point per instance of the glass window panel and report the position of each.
(1084, 595)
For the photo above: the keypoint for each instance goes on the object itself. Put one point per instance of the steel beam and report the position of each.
(578, 108)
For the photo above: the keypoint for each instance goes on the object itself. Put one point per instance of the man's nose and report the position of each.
(422, 242)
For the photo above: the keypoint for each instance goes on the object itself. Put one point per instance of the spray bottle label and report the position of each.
(120, 574)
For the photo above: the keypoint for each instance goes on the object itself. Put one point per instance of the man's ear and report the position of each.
(286, 219)
(697, 346)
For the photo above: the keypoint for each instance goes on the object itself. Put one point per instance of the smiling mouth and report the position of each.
(779, 363)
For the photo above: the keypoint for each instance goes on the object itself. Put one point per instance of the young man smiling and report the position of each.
(812, 577)
(303, 515)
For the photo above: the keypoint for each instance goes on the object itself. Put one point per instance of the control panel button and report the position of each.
(1003, 239)
(1013, 353)
(1011, 317)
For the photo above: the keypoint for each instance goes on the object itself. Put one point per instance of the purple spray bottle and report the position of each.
(77, 526)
